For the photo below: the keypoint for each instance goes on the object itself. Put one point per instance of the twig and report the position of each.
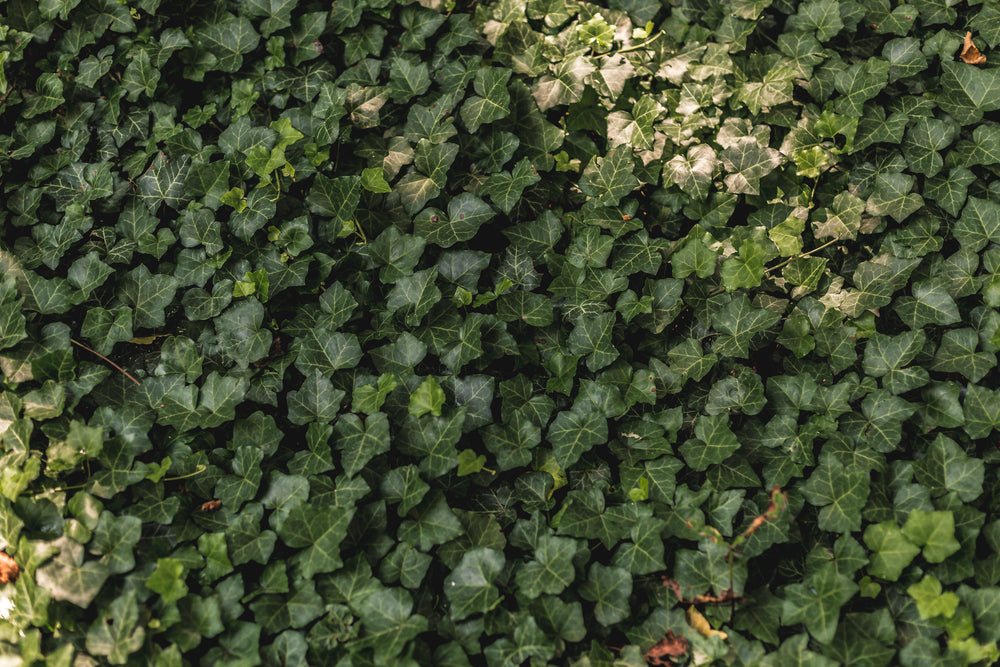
(640, 46)
(7, 94)
(800, 255)
(95, 352)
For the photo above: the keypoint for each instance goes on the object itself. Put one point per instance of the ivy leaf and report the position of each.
(163, 183)
(591, 335)
(318, 532)
(565, 84)
(469, 588)
(335, 199)
(714, 444)
(841, 492)
(573, 433)
(552, 569)
(360, 441)
(821, 16)
(432, 523)
(892, 551)
(957, 354)
(148, 294)
(168, 579)
(47, 95)
(140, 76)
(505, 188)
(934, 531)
(816, 602)
(609, 588)
(228, 40)
(491, 101)
(466, 214)
(389, 622)
(738, 323)
(979, 224)
(324, 351)
(968, 91)
(893, 196)
(610, 178)
(946, 468)
(748, 162)
(692, 173)
(114, 634)
(746, 270)
(858, 83)
(115, 537)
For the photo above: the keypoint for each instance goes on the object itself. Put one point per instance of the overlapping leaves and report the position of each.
(435, 334)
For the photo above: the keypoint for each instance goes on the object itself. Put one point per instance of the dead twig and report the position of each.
(95, 352)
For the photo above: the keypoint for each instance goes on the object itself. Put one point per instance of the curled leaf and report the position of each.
(969, 53)
(700, 623)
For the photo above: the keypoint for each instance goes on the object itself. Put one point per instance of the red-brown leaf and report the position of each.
(671, 646)
(9, 570)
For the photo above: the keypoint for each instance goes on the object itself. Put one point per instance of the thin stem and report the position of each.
(640, 46)
(7, 94)
(95, 352)
(197, 471)
(800, 255)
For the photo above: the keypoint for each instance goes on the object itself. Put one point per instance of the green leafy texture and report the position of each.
(318, 533)
(586, 517)
(745, 270)
(168, 579)
(748, 162)
(148, 294)
(114, 634)
(432, 523)
(714, 442)
(946, 468)
(738, 322)
(694, 257)
(505, 189)
(608, 179)
(574, 433)
(841, 492)
(608, 588)
(934, 532)
(551, 570)
(968, 91)
(891, 550)
(565, 83)
(469, 588)
(979, 224)
(816, 602)
(428, 398)
(466, 214)
(491, 101)
(389, 622)
(821, 16)
(957, 354)
(931, 602)
(859, 83)
(692, 173)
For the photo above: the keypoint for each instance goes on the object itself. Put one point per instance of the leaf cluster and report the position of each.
(381, 332)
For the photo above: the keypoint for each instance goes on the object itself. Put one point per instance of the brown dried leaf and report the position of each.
(671, 646)
(9, 570)
(969, 53)
(211, 505)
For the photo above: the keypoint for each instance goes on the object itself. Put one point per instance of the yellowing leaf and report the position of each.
(700, 623)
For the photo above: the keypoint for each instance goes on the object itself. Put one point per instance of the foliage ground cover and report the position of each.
(509, 332)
